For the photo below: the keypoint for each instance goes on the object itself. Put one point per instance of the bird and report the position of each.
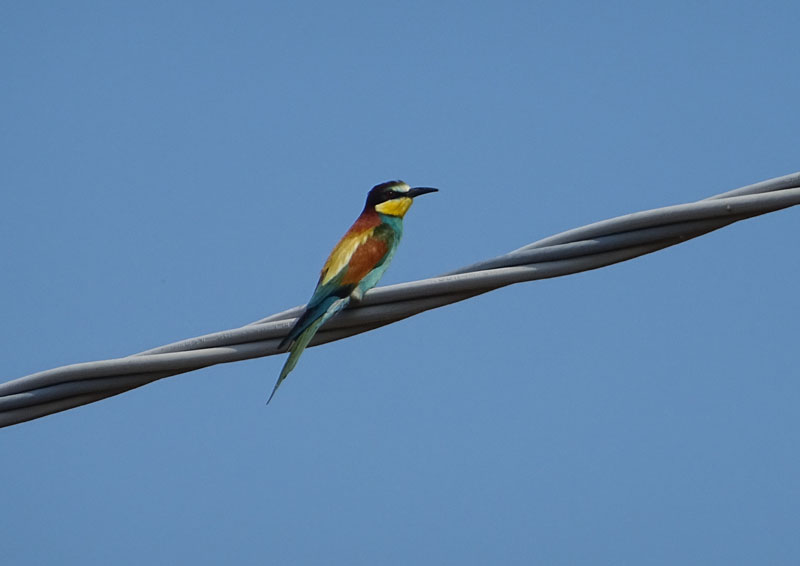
(354, 266)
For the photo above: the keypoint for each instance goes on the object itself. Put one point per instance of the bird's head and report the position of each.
(394, 198)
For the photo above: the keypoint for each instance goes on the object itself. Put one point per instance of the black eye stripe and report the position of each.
(385, 191)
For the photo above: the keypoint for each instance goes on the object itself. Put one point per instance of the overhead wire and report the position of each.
(589, 247)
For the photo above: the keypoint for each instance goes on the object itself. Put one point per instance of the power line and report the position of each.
(581, 249)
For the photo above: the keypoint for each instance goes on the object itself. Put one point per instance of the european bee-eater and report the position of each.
(355, 265)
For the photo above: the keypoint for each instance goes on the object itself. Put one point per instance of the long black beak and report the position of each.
(416, 191)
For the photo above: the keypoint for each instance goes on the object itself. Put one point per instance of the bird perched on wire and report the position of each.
(355, 265)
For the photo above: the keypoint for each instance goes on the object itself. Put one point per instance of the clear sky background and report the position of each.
(171, 169)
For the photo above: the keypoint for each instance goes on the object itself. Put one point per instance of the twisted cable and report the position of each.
(581, 249)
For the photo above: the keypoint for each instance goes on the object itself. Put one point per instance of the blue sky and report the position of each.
(173, 169)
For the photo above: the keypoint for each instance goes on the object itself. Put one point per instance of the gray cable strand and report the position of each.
(581, 249)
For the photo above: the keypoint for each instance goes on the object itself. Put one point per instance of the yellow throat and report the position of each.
(394, 207)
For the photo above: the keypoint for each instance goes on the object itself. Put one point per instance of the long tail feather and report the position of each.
(324, 309)
(297, 348)
(300, 342)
